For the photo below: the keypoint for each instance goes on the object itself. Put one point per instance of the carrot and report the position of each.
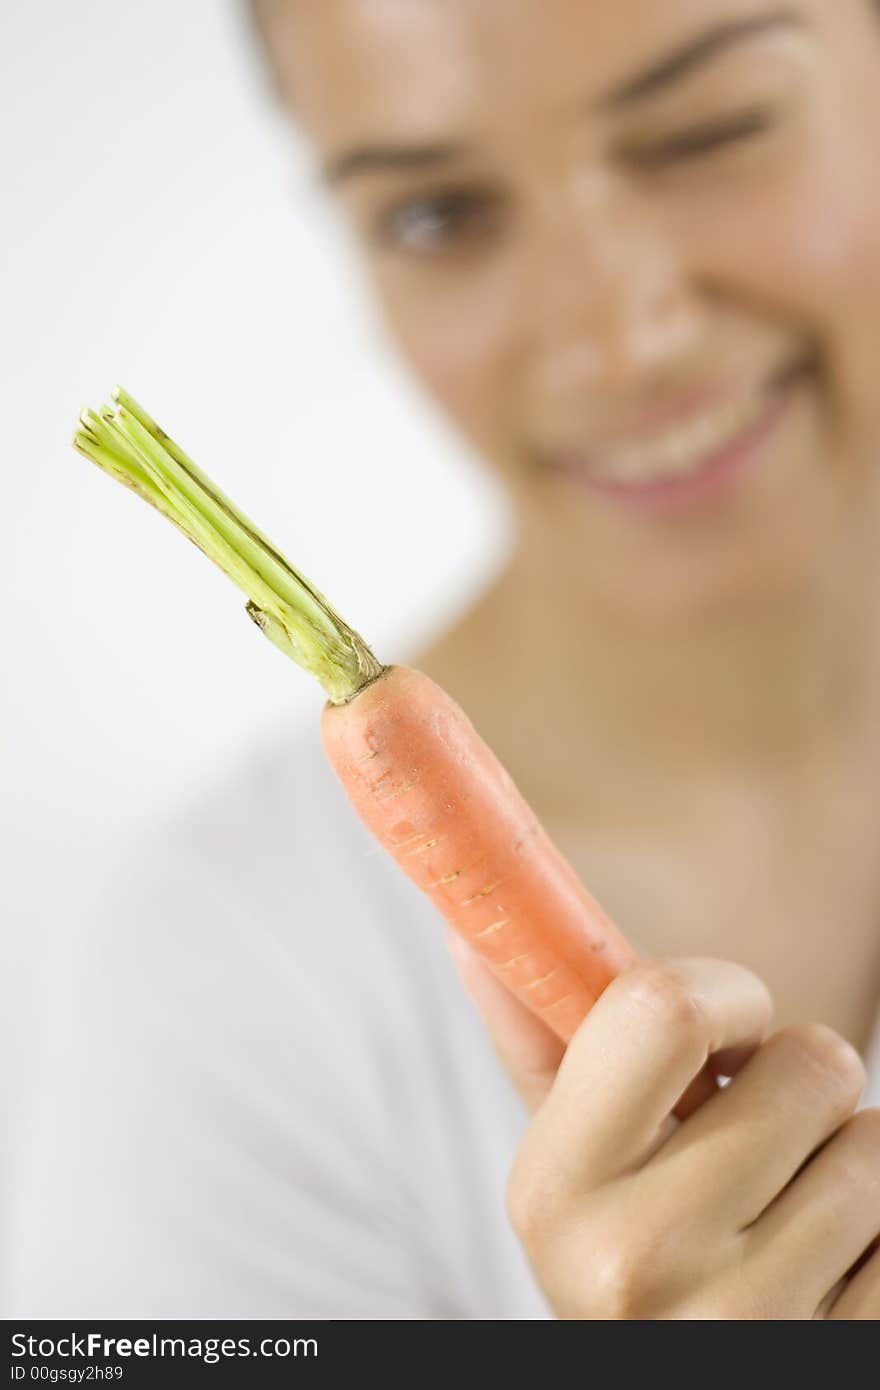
(436, 797)
(410, 761)
(442, 805)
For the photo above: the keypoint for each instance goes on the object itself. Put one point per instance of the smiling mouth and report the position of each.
(669, 462)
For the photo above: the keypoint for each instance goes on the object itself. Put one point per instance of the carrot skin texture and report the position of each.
(438, 800)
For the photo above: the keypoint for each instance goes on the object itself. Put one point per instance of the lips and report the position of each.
(682, 448)
(680, 452)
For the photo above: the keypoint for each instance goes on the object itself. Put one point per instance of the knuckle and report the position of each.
(662, 990)
(618, 1283)
(869, 1120)
(852, 1174)
(532, 1205)
(864, 1129)
(828, 1056)
(590, 1257)
(617, 1286)
(762, 994)
(626, 1269)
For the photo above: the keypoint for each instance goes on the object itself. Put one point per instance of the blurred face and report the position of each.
(632, 251)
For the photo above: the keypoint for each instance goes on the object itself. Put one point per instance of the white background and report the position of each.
(162, 228)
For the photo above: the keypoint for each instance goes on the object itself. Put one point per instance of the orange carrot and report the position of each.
(414, 767)
(438, 800)
(435, 796)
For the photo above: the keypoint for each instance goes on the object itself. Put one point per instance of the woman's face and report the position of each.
(633, 251)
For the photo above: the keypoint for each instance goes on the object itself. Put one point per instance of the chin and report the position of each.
(729, 584)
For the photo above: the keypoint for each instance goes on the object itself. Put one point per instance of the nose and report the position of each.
(607, 300)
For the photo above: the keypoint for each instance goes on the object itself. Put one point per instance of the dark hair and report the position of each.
(257, 18)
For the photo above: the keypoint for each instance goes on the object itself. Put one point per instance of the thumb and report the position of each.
(529, 1051)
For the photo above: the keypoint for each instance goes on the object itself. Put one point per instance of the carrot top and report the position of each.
(126, 443)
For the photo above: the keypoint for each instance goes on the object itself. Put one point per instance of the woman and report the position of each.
(631, 249)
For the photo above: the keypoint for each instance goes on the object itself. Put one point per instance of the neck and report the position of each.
(605, 696)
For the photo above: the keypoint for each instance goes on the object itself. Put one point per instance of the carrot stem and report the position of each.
(127, 444)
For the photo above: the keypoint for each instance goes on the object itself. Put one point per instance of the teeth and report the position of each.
(683, 450)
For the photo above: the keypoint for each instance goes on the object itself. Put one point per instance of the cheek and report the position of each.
(809, 251)
(457, 335)
(835, 248)
(841, 251)
(802, 249)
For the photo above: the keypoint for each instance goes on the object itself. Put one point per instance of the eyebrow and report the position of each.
(377, 157)
(700, 50)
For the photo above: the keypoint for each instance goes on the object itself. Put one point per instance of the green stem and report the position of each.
(126, 443)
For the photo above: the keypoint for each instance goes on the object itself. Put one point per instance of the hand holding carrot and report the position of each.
(764, 1204)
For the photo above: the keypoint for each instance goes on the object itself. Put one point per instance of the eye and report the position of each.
(700, 142)
(441, 221)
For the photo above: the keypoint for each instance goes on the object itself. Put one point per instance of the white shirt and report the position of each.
(264, 1092)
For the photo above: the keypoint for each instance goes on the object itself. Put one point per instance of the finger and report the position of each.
(645, 1039)
(827, 1217)
(793, 1093)
(529, 1051)
(860, 1297)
